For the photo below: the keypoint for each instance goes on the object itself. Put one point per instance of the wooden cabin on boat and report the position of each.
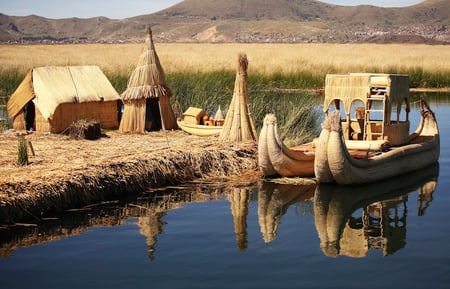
(373, 106)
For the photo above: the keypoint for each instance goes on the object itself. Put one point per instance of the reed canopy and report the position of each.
(147, 97)
(50, 99)
(239, 125)
(359, 86)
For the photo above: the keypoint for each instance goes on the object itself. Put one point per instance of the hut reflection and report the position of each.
(148, 209)
(274, 200)
(350, 221)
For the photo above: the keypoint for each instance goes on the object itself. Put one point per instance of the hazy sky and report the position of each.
(118, 9)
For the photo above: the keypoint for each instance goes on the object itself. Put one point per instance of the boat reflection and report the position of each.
(350, 221)
(273, 201)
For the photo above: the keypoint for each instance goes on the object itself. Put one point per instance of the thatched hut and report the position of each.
(50, 99)
(146, 99)
(239, 125)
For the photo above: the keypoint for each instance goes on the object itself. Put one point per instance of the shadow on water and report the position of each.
(350, 221)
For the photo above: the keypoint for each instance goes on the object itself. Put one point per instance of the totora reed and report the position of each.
(65, 173)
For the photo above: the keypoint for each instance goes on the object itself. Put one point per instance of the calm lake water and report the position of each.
(392, 235)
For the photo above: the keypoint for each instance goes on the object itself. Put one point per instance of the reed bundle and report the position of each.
(239, 125)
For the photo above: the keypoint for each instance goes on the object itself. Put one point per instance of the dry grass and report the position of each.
(66, 173)
(263, 58)
(60, 156)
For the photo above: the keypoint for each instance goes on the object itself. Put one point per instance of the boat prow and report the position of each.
(275, 158)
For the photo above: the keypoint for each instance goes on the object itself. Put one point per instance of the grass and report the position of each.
(203, 74)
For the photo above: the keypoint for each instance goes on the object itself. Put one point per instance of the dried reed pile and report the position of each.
(84, 129)
(67, 173)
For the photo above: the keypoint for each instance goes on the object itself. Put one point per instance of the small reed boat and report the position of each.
(196, 122)
(402, 153)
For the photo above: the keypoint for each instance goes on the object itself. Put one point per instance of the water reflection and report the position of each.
(350, 221)
(274, 200)
(148, 209)
(239, 199)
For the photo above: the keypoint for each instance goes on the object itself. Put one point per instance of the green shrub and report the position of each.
(22, 152)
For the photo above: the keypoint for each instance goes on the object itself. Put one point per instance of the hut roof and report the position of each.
(194, 111)
(51, 86)
(148, 79)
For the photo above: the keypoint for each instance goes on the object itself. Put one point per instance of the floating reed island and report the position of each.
(68, 173)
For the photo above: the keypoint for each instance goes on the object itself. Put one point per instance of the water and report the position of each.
(394, 235)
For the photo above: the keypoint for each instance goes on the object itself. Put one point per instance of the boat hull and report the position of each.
(423, 150)
(199, 130)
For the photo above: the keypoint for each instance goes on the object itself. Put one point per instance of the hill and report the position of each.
(246, 21)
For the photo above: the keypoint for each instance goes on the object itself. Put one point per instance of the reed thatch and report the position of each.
(357, 86)
(239, 125)
(50, 99)
(147, 81)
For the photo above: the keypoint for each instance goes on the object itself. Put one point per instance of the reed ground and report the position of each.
(66, 173)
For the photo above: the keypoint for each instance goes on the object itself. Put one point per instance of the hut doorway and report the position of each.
(30, 116)
(152, 114)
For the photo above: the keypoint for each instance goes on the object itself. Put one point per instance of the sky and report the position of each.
(119, 9)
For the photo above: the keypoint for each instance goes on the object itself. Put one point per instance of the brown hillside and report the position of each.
(245, 21)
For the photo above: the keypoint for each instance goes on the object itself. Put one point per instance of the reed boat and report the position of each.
(402, 153)
(275, 158)
(199, 129)
(196, 122)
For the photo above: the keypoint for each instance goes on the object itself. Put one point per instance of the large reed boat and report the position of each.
(386, 147)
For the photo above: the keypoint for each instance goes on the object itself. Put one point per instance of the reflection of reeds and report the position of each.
(149, 207)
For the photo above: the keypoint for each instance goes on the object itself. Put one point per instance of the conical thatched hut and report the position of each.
(146, 99)
(239, 125)
(50, 99)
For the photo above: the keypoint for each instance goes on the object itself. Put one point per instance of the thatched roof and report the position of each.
(353, 86)
(51, 86)
(148, 79)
